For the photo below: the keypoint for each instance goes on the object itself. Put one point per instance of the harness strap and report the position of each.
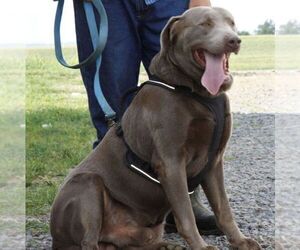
(98, 37)
(134, 90)
(217, 108)
(135, 163)
(215, 105)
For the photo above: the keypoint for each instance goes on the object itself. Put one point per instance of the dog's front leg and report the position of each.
(213, 186)
(172, 176)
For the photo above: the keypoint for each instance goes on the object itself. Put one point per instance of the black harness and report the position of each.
(215, 105)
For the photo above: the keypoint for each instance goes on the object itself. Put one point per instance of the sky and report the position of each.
(31, 21)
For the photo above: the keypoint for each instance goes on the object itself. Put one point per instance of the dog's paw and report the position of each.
(209, 248)
(172, 247)
(248, 244)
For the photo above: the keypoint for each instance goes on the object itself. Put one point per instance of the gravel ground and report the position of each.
(287, 145)
(249, 178)
(11, 232)
(262, 124)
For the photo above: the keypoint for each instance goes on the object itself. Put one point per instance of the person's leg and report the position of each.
(120, 60)
(153, 21)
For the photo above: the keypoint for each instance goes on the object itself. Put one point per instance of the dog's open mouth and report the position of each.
(216, 69)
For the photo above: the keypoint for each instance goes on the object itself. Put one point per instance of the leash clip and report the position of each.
(110, 120)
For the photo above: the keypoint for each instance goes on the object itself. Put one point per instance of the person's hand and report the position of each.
(196, 3)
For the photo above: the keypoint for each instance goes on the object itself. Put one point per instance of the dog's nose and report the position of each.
(233, 43)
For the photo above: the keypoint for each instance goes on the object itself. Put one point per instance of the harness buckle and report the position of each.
(110, 122)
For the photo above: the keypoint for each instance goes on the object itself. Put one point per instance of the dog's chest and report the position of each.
(206, 139)
(203, 139)
(193, 129)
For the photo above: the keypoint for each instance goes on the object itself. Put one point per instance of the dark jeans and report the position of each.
(133, 37)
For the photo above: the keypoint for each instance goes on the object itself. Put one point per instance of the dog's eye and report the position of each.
(206, 24)
(231, 22)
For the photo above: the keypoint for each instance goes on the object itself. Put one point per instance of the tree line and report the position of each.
(268, 28)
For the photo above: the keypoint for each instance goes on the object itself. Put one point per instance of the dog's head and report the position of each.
(199, 43)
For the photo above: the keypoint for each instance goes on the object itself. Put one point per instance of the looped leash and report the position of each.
(98, 37)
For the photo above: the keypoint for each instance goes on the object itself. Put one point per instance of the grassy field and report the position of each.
(59, 133)
(287, 52)
(12, 143)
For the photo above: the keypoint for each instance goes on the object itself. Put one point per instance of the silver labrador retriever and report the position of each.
(104, 205)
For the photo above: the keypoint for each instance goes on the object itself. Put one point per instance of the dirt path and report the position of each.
(264, 106)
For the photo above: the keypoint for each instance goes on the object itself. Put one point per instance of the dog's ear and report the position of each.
(169, 33)
(158, 65)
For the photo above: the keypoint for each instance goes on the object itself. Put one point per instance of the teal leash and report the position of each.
(99, 39)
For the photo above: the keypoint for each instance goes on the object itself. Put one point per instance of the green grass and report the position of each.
(59, 133)
(257, 53)
(287, 52)
(267, 53)
(56, 97)
(12, 146)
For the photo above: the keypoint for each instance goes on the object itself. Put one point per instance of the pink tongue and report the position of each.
(214, 75)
